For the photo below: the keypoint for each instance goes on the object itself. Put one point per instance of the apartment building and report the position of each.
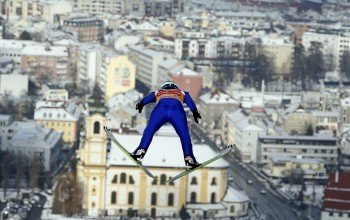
(100, 7)
(89, 66)
(319, 147)
(12, 49)
(147, 62)
(118, 74)
(60, 116)
(87, 29)
(49, 63)
(213, 104)
(333, 42)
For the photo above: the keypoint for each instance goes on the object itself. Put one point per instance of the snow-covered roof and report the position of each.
(41, 50)
(164, 151)
(234, 195)
(279, 158)
(217, 98)
(142, 50)
(160, 41)
(5, 117)
(57, 110)
(345, 102)
(36, 136)
(325, 113)
(236, 116)
(16, 44)
(206, 206)
(186, 72)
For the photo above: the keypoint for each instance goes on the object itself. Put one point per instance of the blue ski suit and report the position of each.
(169, 108)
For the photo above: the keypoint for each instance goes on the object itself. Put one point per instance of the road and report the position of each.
(35, 212)
(271, 205)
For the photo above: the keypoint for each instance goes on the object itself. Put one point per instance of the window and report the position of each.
(131, 180)
(93, 205)
(171, 199)
(331, 214)
(213, 198)
(154, 199)
(58, 115)
(340, 214)
(114, 198)
(123, 178)
(193, 197)
(154, 182)
(96, 127)
(213, 181)
(162, 179)
(232, 209)
(45, 115)
(194, 181)
(50, 115)
(131, 198)
(115, 179)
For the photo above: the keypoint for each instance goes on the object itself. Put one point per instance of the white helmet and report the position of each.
(170, 85)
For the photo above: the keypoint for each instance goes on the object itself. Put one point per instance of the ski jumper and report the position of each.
(169, 108)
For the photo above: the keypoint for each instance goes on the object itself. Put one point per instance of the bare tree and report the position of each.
(68, 195)
(5, 170)
(34, 171)
(19, 173)
(315, 69)
(299, 67)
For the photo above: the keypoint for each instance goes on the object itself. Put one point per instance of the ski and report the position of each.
(139, 164)
(186, 172)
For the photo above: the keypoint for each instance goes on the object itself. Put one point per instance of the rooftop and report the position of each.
(233, 195)
(42, 50)
(164, 151)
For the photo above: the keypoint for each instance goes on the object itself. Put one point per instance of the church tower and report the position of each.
(91, 168)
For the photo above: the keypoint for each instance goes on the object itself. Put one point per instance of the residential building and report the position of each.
(100, 7)
(281, 51)
(60, 116)
(12, 49)
(313, 100)
(188, 80)
(87, 29)
(345, 110)
(124, 188)
(49, 63)
(53, 92)
(213, 104)
(159, 44)
(280, 167)
(55, 12)
(167, 8)
(334, 43)
(299, 121)
(239, 128)
(336, 197)
(118, 75)
(7, 82)
(147, 62)
(122, 111)
(89, 66)
(38, 143)
(321, 147)
(327, 120)
(133, 7)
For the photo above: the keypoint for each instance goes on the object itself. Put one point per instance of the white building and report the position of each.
(38, 143)
(100, 8)
(147, 62)
(333, 42)
(327, 120)
(54, 93)
(56, 11)
(7, 82)
(13, 48)
(89, 66)
(322, 147)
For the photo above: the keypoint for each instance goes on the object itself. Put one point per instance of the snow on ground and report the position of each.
(294, 190)
(58, 217)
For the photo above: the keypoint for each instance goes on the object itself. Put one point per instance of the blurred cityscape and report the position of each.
(270, 76)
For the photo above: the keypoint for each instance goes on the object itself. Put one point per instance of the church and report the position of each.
(114, 186)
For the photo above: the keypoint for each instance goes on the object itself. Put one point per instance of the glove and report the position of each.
(139, 106)
(196, 115)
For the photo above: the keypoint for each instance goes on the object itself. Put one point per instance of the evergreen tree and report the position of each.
(25, 36)
(345, 65)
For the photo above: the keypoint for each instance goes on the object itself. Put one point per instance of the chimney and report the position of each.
(336, 176)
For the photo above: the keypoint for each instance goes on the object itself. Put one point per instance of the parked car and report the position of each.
(263, 191)
(250, 181)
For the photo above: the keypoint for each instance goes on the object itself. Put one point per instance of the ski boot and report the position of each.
(191, 163)
(138, 155)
